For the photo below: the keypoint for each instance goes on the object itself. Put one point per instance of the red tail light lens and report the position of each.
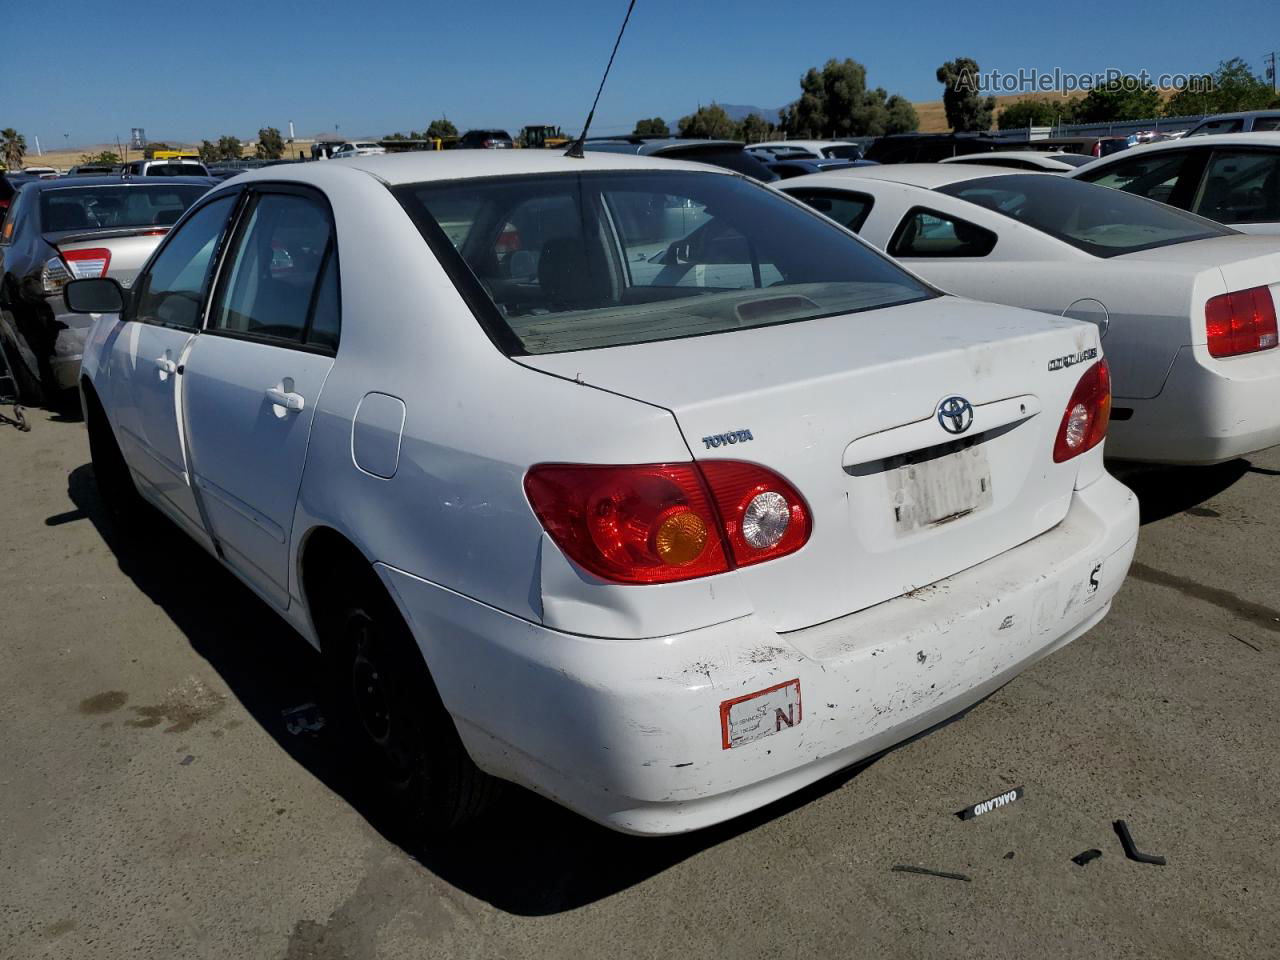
(662, 522)
(763, 515)
(1088, 413)
(84, 264)
(1241, 322)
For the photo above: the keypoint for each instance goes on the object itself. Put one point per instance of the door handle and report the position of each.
(165, 365)
(287, 399)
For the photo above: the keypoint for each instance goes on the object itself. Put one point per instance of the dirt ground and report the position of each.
(154, 803)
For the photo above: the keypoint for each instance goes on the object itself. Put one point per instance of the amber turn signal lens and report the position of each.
(680, 538)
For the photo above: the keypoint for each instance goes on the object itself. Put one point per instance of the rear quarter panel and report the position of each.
(455, 511)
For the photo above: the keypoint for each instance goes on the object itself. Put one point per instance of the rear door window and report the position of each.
(1154, 176)
(274, 270)
(1240, 186)
(929, 233)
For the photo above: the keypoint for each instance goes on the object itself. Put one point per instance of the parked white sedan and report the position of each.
(1231, 178)
(1186, 306)
(628, 480)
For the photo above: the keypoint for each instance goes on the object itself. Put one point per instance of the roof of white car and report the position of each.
(1207, 140)
(926, 175)
(804, 144)
(1006, 154)
(421, 166)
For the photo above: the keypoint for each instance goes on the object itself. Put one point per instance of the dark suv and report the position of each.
(485, 140)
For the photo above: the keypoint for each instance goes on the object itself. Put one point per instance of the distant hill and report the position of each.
(738, 112)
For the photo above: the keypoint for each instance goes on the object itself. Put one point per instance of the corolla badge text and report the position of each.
(1071, 359)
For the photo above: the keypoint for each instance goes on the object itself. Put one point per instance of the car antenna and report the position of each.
(575, 148)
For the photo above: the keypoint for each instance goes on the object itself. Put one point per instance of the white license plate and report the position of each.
(940, 488)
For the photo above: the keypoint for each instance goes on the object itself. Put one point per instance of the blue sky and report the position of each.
(90, 71)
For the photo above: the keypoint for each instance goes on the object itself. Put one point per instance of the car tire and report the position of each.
(110, 472)
(30, 391)
(392, 718)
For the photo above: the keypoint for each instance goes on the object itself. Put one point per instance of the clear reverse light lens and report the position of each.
(765, 520)
(1077, 425)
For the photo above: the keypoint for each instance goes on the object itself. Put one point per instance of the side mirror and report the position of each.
(96, 295)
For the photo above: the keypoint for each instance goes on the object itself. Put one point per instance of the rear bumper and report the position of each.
(1208, 411)
(629, 733)
(68, 346)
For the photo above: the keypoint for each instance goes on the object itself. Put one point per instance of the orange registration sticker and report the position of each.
(760, 714)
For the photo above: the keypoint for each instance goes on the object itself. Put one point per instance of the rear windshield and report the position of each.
(1098, 220)
(175, 170)
(1073, 159)
(562, 262)
(109, 207)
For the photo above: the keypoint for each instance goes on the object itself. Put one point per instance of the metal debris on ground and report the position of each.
(187, 760)
(18, 420)
(304, 718)
(1245, 642)
(986, 806)
(925, 871)
(1080, 859)
(1130, 849)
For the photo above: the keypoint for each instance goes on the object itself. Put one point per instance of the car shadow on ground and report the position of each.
(1165, 490)
(528, 856)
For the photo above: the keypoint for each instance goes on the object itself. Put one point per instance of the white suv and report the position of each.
(166, 168)
(629, 480)
(358, 149)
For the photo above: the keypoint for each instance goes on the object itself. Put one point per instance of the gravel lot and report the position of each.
(153, 802)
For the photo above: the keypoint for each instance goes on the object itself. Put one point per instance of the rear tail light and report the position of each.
(1241, 322)
(508, 240)
(54, 276)
(1088, 412)
(88, 263)
(489, 144)
(663, 522)
(763, 515)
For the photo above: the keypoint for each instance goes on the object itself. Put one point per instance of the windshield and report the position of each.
(1097, 220)
(110, 207)
(564, 262)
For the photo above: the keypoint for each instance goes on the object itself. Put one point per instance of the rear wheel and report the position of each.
(392, 716)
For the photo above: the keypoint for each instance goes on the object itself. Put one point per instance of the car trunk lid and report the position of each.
(847, 410)
(128, 250)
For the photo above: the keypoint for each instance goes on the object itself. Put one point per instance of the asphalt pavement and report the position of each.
(163, 793)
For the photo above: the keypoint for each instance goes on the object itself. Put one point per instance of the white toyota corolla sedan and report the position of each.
(1186, 307)
(631, 481)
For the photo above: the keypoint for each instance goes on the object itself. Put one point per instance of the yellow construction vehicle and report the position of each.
(543, 136)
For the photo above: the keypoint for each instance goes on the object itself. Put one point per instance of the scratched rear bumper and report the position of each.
(629, 733)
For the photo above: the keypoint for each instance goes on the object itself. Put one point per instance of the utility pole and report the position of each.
(1270, 61)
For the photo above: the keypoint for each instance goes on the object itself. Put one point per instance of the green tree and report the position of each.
(709, 123)
(152, 147)
(229, 148)
(13, 147)
(755, 128)
(413, 135)
(901, 116)
(106, 156)
(835, 102)
(1124, 98)
(1233, 86)
(441, 129)
(208, 151)
(270, 144)
(1038, 113)
(966, 110)
(652, 127)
